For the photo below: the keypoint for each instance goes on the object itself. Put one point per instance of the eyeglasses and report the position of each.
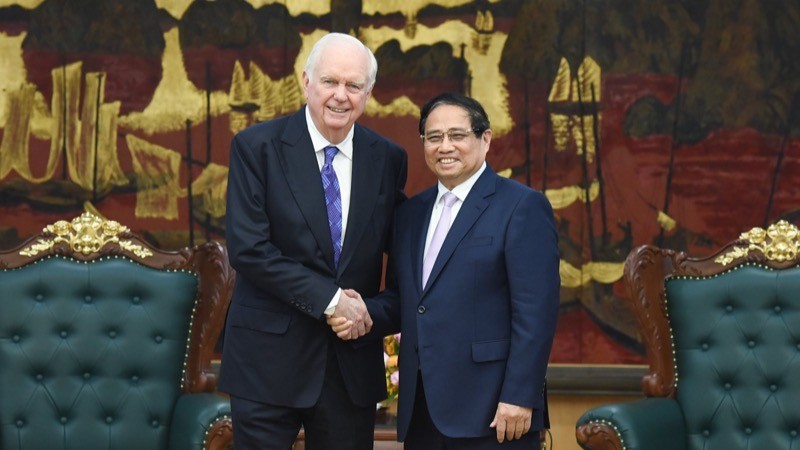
(351, 86)
(454, 134)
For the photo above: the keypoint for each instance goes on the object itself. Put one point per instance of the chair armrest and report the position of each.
(201, 421)
(649, 424)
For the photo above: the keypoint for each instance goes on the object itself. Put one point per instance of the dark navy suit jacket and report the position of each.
(276, 339)
(482, 329)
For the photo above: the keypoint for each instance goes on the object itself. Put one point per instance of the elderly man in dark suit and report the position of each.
(310, 204)
(476, 261)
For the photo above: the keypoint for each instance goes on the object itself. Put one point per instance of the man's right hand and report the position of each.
(341, 327)
(351, 307)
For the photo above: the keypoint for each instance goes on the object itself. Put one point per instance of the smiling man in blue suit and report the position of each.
(476, 298)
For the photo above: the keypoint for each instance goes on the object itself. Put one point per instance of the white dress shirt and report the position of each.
(461, 191)
(343, 166)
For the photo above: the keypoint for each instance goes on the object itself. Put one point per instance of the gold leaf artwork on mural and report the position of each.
(484, 29)
(87, 136)
(569, 95)
(84, 128)
(778, 243)
(86, 234)
(563, 197)
(606, 272)
(157, 172)
(258, 98)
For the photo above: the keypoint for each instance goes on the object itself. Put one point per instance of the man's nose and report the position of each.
(340, 92)
(447, 143)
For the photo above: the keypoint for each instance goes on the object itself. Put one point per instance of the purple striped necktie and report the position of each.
(333, 202)
(439, 234)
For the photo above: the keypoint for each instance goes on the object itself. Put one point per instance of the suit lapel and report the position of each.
(474, 205)
(302, 174)
(419, 232)
(367, 164)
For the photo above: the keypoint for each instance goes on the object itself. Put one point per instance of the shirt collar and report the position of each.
(462, 190)
(319, 142)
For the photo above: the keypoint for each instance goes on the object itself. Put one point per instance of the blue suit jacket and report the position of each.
(482, 329)
(276, 341)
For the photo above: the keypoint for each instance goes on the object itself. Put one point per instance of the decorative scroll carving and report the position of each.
(220, 435)
(86, 234)
(210, 261)
(645, 269)
(778, 243)
(598, 436)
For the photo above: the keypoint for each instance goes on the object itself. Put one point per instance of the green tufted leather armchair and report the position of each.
(106, 342)
(723, 343)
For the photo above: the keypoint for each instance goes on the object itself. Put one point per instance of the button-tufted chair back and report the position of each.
(736, 338)
(722, 336)
(106, 342)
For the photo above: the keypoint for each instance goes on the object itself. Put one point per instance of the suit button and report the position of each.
(421, 309)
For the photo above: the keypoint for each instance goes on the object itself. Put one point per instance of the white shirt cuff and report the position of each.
(334, 301)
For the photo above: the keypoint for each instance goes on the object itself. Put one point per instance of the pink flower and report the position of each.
(395, 378)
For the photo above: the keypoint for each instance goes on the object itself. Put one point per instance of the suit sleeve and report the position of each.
(252, 253)
(532, 262)
(400, 194)
(384, 308)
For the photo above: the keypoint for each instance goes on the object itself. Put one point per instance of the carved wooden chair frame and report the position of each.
(89, 237)
(645, 271)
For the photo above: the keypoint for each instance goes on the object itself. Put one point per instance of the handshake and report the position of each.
(350, 319)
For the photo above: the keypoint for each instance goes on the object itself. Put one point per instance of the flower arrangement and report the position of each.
(391, 349)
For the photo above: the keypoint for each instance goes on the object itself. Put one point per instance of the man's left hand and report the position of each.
(511, 421)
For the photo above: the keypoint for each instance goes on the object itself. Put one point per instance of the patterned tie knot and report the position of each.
(330, 153)
(449, 199)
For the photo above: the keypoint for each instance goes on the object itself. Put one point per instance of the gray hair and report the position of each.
(337, 38)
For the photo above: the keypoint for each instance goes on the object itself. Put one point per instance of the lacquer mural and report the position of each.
(672, 123)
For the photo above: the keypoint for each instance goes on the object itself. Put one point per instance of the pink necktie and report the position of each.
(438, 236)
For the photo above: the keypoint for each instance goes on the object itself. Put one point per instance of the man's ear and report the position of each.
(306, 81)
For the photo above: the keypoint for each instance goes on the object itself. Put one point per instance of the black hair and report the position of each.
(479, 121)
